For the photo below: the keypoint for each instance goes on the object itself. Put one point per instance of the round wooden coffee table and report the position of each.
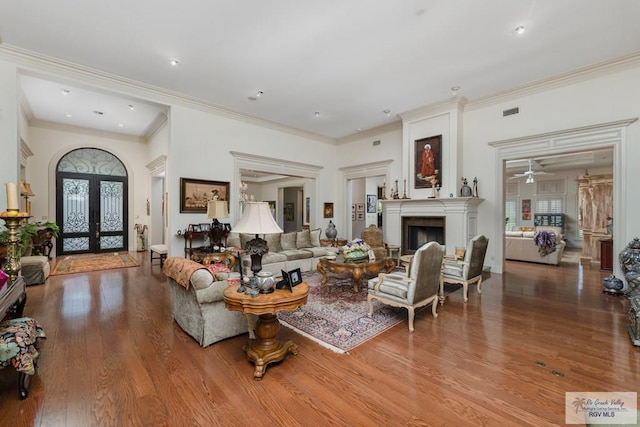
(266, 347)
(356, 268)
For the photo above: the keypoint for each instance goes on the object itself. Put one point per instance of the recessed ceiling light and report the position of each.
(317, 114)
(131, 107)
(68, 115)
(259, 94)
(120, 125)
(454, 90)
(387, 112)
(65, 91)
(174, 62)
(519, 29)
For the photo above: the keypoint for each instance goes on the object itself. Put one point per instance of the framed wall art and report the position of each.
(195, 193)
(428, 161)
(328, 210)
(359, 207)
(307, 211)
(526, 209)
(371, 203)
(288, 212)
(360, 216)
(272, 207)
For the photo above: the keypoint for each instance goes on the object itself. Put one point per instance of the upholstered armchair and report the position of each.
(416, 289)
(372, 235)
(468, 270)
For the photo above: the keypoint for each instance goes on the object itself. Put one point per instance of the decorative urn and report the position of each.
(331, 231)
(629, 260)
(612, 285)
(266, 282)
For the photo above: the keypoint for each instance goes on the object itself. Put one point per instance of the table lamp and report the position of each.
(257, 219)
(26, 192)
(217, 209)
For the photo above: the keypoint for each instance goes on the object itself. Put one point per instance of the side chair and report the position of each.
(468, 270)
(417, 288)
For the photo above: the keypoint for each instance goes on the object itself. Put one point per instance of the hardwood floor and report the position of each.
(114, 357)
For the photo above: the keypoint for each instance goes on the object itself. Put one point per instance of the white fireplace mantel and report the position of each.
(461, 215)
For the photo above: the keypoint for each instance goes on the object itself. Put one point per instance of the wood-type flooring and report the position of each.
(114, 357)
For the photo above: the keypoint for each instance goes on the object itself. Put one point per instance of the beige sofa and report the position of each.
(198, 302)
(519, 246)
(287, 251)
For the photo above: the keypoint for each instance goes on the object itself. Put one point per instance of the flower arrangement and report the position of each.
(356, 245)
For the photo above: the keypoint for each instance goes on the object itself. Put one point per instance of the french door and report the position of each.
(91, 212)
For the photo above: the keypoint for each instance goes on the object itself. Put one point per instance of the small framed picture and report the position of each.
(285, 282)
(360, 207)
(295, 277)
(371, 203)
(360, 216)
(353, 207)
(328, 210)
(353, 216)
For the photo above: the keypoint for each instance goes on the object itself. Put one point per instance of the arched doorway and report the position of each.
(91, 202)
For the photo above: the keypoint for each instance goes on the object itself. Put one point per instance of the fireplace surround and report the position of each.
(456, 216)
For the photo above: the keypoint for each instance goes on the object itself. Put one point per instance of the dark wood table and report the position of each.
(266, 347)
(356, 268)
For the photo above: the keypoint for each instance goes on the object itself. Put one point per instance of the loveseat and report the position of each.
(520, 245)
(198, 303)
(287, 251)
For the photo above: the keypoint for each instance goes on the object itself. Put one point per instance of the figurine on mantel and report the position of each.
(475, 186)
(465, 191)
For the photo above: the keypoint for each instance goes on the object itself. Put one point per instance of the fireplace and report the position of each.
(416, 231)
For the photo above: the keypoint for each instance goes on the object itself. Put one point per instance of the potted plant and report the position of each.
(30, 234)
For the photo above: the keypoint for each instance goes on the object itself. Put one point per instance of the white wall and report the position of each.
(599, 100)
(50, 143)
(200, 148)
(9, 139)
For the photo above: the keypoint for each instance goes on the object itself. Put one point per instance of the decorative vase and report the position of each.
(612, 285)
(629, 260)
(331, 231)
(265, 282)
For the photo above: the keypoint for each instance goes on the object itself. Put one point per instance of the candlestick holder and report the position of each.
(12, 265)
(383, 195)
(404, 190)
(395, 191)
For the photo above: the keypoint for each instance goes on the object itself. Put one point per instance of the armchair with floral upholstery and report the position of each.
(372, 235)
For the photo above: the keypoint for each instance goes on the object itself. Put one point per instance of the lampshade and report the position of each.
(217, 209)
(257, 219)
(25, 189)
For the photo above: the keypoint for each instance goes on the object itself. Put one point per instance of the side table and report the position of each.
(266, 347)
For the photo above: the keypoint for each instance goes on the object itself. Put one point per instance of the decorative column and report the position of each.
(12, 266)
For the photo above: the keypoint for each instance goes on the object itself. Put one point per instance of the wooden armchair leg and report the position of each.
(23, 384)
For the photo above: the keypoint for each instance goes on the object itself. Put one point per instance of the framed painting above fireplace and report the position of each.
(428, 162)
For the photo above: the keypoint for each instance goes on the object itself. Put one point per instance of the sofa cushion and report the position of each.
(288, 241)
(273, 242)
(318, 252)
(303, 239)
(529, 234)
(219, 270)
(315, 237)
(296, 254)
(513, 233)
(268, 258)
(201, 278)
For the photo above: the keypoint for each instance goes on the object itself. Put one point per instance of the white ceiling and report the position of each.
(347, 60)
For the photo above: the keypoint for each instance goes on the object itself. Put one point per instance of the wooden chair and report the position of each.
(416, 289)
(468, 270)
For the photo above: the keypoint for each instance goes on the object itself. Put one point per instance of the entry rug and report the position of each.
(336, 317)
(84, 263)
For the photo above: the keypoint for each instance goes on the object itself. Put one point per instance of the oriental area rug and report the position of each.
(85, 263)
(336, 317)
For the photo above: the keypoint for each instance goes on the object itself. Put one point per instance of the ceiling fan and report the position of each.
(529, 174)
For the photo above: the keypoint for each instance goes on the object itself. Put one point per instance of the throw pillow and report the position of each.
(244, 238)
(303, 239)
(273, 242)
(315, 237)
(288, 241)
(219, 270)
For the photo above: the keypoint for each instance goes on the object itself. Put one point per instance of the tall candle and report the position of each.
(12, 196)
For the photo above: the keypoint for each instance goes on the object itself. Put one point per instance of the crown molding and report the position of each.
(47, 65)
(571, 77)
(44, 124)
(158, 166)
(431, 110)
(370, 133)
(155, 126)
(367, 169)
(276, 166)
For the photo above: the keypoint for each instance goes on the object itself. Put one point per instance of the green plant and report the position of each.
(28, 231)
